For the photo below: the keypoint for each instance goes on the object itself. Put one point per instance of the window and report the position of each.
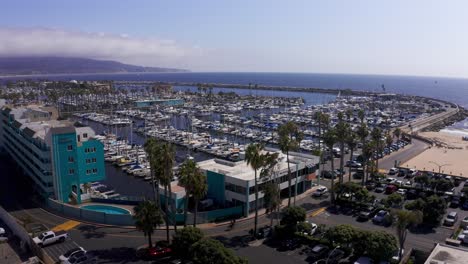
(85, 135)
(94, 149)
(88, 172)
(70, 147)
(71, 159)
(94, 160)
(94, 171)
(71, 171)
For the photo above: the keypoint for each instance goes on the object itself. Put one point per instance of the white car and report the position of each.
(72, 253)
(401, 191)
(392, 171)
(320, 191)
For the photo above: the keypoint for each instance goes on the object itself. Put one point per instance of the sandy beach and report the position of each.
(449, 152)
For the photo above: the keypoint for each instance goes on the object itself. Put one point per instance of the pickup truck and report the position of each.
(50, 237)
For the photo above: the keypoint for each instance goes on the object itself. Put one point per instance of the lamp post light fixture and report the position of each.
(439, 165)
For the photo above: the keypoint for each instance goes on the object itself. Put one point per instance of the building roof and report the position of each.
(444, 254)
(242, 171)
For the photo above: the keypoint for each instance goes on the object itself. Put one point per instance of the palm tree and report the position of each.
(198, 192)
(376, 135)
(189, 177)
(147, 217)
(271, 199)
(329, 139)
(341, 131)
(405, 219)
(289, 140)
(256, 160)
(166, 161)
(362, 134)
(152, 150)
(397, 133)
(351, 141)
(318, 117)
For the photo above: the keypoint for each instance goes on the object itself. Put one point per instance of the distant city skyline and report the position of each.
(423, 38)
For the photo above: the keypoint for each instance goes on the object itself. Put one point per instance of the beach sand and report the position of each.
(450, 152)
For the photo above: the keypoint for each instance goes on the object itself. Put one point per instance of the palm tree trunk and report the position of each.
(155, 198)
(186, 207)
(173, 209)
(289, 179)
(256, 205)
(195, 211)
(342, 161)
(166, 205)
(150, 244)
(332, 191)
(351, 158)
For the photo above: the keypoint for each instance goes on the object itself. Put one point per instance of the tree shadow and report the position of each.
(116, 255)
(90, 231)
(422, 229)
(235, 242)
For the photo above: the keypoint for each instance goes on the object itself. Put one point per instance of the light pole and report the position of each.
(337, 247)
(439, 165)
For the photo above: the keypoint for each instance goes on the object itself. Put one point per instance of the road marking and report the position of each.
(66, 226)
(318, 211)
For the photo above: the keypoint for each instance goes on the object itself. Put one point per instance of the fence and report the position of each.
(23, 235)
(89, 215)
(123, 200)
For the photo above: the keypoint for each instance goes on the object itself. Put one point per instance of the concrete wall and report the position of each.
(90, 216)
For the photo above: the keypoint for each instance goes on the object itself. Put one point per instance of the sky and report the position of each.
(398, 37)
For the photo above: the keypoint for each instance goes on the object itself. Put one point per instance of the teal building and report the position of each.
(58, 157)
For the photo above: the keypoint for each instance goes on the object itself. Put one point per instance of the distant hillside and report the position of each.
(57, 65)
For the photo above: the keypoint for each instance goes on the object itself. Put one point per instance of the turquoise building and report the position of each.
(58, 157)
(151, 102)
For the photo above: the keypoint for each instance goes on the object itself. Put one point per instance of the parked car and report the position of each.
(370, 185)
(50, 237)
(379, 217)
(159, 250)
(379, 189)
(465, 205)
(290, 244)
(320, 191)
(3, 235)
(451, 219)
(366, 213)
(318, 252)
(390, 189)
(392, 171)
(455, 203)
(412, 194)
(335, 256)
(80, 258)
(264, 232)
(464, 222)
(328, 175)
(401, 192)
(72, 253)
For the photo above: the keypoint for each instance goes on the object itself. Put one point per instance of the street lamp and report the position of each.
(337, 247)
(439, 165)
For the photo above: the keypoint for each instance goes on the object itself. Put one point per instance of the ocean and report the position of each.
(450, 89)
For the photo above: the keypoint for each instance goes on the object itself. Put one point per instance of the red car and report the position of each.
(161, 249)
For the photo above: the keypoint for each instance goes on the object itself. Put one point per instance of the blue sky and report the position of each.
(367, 37)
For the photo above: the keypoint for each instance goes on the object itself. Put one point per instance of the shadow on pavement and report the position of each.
(115, 255)
(90, 231)
(235, 242)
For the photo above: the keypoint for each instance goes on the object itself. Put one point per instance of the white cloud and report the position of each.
(123, 48)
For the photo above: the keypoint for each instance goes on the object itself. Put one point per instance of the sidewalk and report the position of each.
(8, 255)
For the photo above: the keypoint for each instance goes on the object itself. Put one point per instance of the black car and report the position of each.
(455, 202)
(290, 244)
(465, 205)
(412, 194)
(370, 185)
(318, 252)
(328, 175)
(264, 232)
(335, 256)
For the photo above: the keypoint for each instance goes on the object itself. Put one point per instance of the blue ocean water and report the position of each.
(450, 89)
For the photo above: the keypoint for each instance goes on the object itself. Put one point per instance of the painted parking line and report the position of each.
(318, 211)
(66, 226)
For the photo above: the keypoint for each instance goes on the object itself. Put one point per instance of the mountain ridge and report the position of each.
(27, 65)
